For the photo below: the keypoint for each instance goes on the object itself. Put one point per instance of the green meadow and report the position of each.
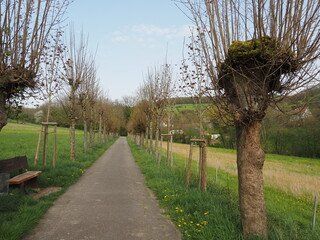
(215, 214)
(20, 212)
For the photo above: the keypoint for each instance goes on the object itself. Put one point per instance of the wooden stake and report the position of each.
(38, 147)
(203, 180)
(54, 161)
(314, 212)
(171, 158)
(189, 166)
(160, 158)
(45, 145)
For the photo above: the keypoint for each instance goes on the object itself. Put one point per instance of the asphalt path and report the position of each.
(110, 201)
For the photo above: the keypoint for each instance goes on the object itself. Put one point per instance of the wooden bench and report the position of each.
(19, 163)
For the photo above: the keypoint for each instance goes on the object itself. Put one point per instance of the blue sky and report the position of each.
(131, 36)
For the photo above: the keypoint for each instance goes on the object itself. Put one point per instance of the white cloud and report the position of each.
(149, 33)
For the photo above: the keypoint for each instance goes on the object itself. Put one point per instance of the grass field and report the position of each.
(299, 176)
(20, 212)
(215, 214)
(178, 108)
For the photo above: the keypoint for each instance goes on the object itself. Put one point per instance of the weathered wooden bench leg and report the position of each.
(33, 182)
(22, 187)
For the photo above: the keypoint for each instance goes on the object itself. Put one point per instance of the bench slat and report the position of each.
(24, 177)
(13, 164)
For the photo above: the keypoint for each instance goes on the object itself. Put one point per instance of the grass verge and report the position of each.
(215, 214)
(20, 212)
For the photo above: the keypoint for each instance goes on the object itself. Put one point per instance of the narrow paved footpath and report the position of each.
(110, 201)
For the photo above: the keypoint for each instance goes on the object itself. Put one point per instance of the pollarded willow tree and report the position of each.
(25, 28)
(255, 53)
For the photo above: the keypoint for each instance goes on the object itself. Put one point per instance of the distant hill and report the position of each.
(189, 100)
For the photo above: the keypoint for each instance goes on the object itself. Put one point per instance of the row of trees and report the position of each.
(35, 62)
(27, 29)
(245, 56)
(153, 106)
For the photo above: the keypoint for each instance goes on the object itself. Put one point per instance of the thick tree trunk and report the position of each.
(147, 138)
(100, 129)
(141, 139)
(91, 137)
(105, 136)
(85, 136)
(157, 142)
(72, 139)
(3, 115)
(151, 140)
(250, 160)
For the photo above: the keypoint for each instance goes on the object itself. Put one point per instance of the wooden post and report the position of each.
(54, 161)
(314, 212)
(170, 149)
(203, 179)
(168, 154)
(45, 145)
(45, 130)
(217, 175)
(38, 147)
(202, 163)
(160, 158)
(189, 166)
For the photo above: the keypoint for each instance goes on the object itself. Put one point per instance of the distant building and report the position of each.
(300, 114)
(177, 131)
(215, 137)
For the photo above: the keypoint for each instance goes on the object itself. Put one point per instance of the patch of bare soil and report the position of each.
(39, 192)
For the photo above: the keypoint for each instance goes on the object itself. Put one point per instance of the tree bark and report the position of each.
(100, 129)
(151, 140)
(141, 139)
(157, 142)
(91, 133)
(3, 115)
(250, 160)
(147, 138)
(85, 136)
(105, 136)
(72, 139)
(49, 108)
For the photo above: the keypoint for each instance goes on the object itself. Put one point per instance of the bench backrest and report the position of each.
(13, 164)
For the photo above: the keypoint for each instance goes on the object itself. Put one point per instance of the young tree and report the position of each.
(87, 95)
(255, 53)
(138, 120)
(25, 30)
(157, 90)
(51, 69)
(193, 83)
(77, 68)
